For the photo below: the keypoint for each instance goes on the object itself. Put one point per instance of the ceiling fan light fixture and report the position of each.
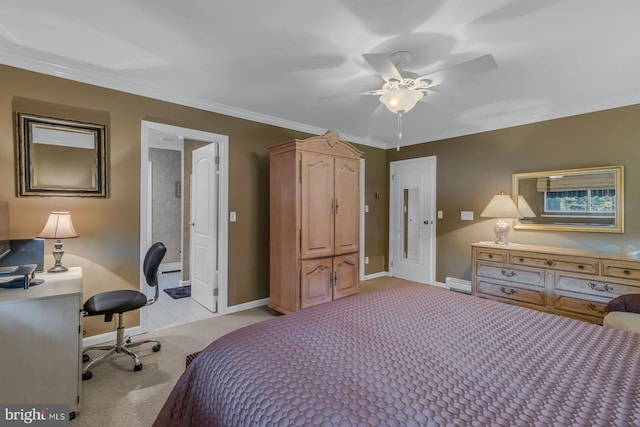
(401, 99)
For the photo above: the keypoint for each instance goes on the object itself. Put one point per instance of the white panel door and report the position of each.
(203, 258)
(412, 227)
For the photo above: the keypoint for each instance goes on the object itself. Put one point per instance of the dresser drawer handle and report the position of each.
(591, 306)
(509, 292)
(605, 288)
(627, 272)
(509, 274)
(549, 263)
(521, 259)
(490, 256)
(580, 267)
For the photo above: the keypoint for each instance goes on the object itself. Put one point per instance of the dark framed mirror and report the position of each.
(60, 157)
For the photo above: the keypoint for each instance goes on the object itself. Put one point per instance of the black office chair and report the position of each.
(119, 302)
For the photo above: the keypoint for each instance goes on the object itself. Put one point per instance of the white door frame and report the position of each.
(223, 207)
(392, 242)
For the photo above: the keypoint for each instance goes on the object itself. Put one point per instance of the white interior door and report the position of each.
(203, 258)
(412, 211)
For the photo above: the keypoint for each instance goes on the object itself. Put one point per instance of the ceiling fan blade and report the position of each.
(459, 71)
(369, 92)
(382, 64)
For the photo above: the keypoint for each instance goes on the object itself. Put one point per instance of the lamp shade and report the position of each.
(501, 206)
(524, 208)
(401, 99)
(58, 226)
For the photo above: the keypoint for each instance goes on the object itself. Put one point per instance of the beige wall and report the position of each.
(108, 248)
(471, 169)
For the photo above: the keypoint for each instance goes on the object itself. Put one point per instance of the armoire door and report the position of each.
(316, 282)
(347, 205)
(345, 275)
(316, 205)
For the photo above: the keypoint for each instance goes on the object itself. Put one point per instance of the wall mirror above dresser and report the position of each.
(589, 199)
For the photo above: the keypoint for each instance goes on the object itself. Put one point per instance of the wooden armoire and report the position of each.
(314, 221)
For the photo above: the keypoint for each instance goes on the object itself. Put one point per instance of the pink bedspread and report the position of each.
(412, 356)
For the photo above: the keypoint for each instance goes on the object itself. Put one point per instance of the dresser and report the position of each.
(41, 349)
(314, 222)
(570, 282)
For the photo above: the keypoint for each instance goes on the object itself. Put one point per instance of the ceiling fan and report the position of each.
(403, 89)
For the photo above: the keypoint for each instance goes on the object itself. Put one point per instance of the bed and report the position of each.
(415, 356)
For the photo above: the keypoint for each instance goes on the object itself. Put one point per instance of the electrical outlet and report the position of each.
(366, 208)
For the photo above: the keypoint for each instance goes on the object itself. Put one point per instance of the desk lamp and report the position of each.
(58, 226)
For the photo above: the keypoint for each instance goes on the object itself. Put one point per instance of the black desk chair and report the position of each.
(119, 302)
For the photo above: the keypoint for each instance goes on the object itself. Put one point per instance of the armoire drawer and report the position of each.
(514, 293)
(621, 270)
(601, 288)
(554, 262)
(516, 275)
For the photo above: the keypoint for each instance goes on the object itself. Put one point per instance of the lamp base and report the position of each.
(57, 269)
(501, 229)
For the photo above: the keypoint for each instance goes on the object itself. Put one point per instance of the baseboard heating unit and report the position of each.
(458, 285)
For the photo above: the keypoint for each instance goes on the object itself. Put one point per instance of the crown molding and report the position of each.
(97, 78)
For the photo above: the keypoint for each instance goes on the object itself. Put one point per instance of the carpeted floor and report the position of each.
(118, 396)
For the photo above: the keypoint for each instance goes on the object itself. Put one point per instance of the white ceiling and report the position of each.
(273, 61)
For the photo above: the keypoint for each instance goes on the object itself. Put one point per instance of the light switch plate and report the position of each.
(439, 214)
(232, 217)
(466, 215)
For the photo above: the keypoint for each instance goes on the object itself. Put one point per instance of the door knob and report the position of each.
(426, 221)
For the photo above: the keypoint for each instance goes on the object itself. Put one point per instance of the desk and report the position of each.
(41, 351)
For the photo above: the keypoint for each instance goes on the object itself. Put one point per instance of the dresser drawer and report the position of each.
(514, 293)
(493, 255)
(593, 308)
(516, 275)
(621, 270)
(601, 288)
(555, 262)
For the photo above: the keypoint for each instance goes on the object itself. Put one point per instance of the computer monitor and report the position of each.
(5, 244)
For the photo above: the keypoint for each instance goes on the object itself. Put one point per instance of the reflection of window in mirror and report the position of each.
(574, 200)
(62, 158)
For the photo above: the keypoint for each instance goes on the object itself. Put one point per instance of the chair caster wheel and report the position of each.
(156, 348)
(138, 367)
(85, 358)
(86, 375)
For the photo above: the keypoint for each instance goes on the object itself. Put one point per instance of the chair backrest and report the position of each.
(152, 261)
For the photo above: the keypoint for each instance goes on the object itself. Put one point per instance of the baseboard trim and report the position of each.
(170, 266)
(441, 285)
(109, 336)
(246, 306)
(375, 275)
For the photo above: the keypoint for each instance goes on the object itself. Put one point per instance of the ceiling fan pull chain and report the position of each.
(399, 129)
